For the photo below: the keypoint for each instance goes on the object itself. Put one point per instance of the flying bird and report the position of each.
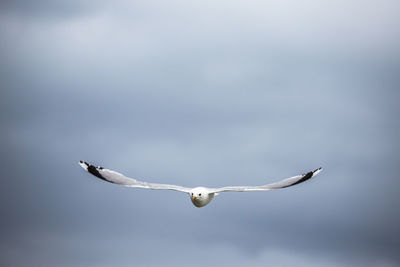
(200, 196)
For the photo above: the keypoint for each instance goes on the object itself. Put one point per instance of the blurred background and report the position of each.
(200, 93)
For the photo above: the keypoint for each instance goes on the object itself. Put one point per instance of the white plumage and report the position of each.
(200, 196)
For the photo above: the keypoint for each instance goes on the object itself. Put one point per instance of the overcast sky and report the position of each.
(200, 93)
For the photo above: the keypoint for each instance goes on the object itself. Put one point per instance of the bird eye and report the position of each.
(192, 194)
(200, 194)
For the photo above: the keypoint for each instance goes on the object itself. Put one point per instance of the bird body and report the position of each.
(200, 196)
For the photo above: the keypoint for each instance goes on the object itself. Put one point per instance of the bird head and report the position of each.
(198, 193)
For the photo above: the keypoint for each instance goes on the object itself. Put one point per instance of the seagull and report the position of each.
(200, 196)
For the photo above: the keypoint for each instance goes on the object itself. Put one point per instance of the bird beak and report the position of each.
(194, 197)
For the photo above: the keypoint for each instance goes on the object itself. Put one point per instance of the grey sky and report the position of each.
(196, 93)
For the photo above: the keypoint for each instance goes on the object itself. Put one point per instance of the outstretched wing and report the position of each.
(118, 178)
(281, 184)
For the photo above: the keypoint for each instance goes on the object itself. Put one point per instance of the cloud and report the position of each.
(90, 250)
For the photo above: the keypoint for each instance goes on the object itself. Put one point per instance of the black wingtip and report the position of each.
(308, 176)
(92, 169)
